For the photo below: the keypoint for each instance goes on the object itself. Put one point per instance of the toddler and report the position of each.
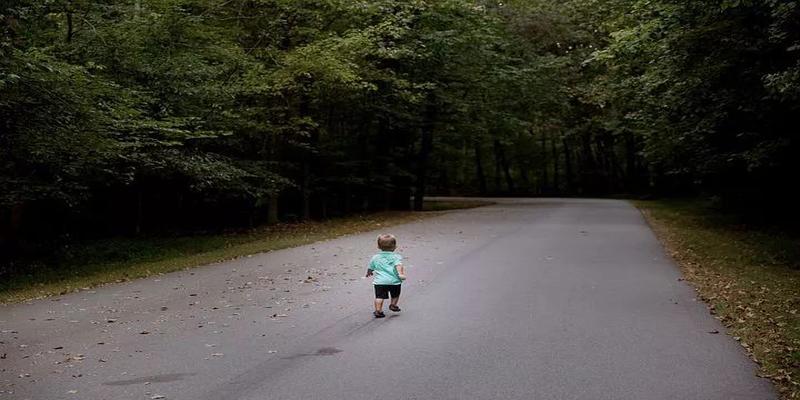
(388, 274)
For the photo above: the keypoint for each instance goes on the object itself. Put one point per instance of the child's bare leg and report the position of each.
(393, 304)
(379, 305)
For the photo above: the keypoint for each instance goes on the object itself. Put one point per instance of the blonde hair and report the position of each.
(387, 242)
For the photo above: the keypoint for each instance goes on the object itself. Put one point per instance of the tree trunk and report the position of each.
(526, 182)
(139, 212)
(545, 179)
(272, 210)
(69, 24)
(589, 179)
(15, 221)
(424, 154)
(179, 212)
(422, 166)
(568, 166)
(501, 156)
(305, 190)
(479, 169)
(556, 172)
(498, 187)
(303, 110)
(631, 170)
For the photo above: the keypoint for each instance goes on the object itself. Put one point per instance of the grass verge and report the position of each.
(117, 260)
(444, 205)
(749, 276)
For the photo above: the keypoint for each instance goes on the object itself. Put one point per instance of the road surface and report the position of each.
(526, 299)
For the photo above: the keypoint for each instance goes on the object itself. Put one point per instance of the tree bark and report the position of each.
(305, 190)
(139, 212)
(589, 179)
(568, 166)
(479, 169)
(501, 156)
(556, 172)
(631, 170)
(69, 24)
(424, 154)
(526, 182)
(304, 110)
(545, 179)
(422, 166)
(498, 187)
(15, 221)
(272, 210)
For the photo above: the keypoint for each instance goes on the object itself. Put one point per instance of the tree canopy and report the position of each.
(122, 117)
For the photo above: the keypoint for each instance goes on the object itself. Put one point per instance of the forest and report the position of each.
(135, 117)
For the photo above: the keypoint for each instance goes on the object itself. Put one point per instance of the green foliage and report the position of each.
(239, 110)
(708, 86)
(320, 103)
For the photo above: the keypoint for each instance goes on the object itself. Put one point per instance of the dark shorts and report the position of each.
(383, 291)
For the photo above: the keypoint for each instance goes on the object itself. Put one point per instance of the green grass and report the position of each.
(748, 275)
(444, 205)
(120, 259)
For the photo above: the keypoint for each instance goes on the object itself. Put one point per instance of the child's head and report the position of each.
(387, 242)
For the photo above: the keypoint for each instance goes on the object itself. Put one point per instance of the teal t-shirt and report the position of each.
(383, 268)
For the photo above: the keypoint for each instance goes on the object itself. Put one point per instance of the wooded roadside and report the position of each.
(141, 117)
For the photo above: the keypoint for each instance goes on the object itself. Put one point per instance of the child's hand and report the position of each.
(401, 271)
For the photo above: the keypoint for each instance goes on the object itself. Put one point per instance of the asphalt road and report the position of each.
(527, 299)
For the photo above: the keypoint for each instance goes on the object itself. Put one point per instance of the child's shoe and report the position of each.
(378, 314)
(394, 308)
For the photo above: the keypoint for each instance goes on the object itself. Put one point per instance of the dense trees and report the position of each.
(709, 90)
(122, 117)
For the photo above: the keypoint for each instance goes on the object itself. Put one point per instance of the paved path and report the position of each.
(527, 299)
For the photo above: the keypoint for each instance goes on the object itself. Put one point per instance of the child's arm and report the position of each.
(401, 272)
(369, 267)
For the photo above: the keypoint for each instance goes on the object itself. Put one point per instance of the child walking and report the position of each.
(388, 273)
